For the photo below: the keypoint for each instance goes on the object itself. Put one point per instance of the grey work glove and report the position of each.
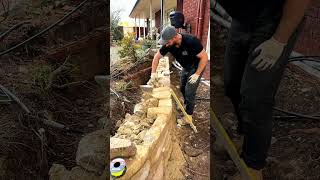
(193, 78)
(152, 78)
(270, 52)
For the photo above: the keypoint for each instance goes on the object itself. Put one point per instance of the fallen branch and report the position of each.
(195, 172)
(56, 72)
(118, 96)
(296, 114)
(47, 119)
(306, 131)
(115, 92)
(68, 84)
(126, 100)
(3, 35)
(16, 99)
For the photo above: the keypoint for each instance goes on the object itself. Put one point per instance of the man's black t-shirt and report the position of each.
(247, 10)
(187, 53)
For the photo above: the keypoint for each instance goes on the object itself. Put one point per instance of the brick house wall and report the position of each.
(179, 5)
(308, 41)
(190, 15)
(206, 23)
(189, 8)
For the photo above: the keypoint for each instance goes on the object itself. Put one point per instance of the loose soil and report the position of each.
(195, 146)
(25, 153)
(128, 97)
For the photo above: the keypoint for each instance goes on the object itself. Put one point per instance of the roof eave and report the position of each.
(135, 5)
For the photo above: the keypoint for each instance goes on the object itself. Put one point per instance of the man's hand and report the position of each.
(152, 78)
(193, 78)
(155, 61)
(270, 52)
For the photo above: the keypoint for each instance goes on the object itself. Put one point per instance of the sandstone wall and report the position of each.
(147, 148)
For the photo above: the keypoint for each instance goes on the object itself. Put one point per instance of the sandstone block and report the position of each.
(121, 148)
(142, 134)
(91, 151)
(177, 162)
(143, 173)
(58, 172)
(161, 94)
(135, 163)
(78, 173)
(153, 112)
(152, 102)
(159, 173)
(161, 89)
(140, 109)
(165, 81)
(132, 118)
(152, 135)
(124, 130)
(157, 152)
(146, 95)
(165, 102)
(162, 121)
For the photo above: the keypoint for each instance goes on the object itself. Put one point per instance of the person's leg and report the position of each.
(183, 81)
(257, 91)
(190, 92)
(235, 59)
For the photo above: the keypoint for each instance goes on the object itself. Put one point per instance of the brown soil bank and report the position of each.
(29, 146)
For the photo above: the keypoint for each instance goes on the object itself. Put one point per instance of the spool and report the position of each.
(118, 167)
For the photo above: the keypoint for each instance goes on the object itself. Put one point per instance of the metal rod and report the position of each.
(189, 120)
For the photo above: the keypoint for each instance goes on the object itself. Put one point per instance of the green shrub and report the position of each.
(128, 47)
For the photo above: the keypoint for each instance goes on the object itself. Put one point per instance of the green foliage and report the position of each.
(116, 30)
(149, 43)
(41, 76)
(128, 47)
(122, 85)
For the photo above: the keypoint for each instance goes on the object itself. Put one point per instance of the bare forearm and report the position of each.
(293, 12)
(202, 64)
(155, 62)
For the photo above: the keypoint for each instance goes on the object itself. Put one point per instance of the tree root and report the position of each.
(306, 131)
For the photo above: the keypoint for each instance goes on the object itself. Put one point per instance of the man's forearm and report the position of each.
(155, 62)
(293, 12)
(202, 64)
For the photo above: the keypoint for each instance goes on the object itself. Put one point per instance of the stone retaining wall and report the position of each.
(147, 153)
